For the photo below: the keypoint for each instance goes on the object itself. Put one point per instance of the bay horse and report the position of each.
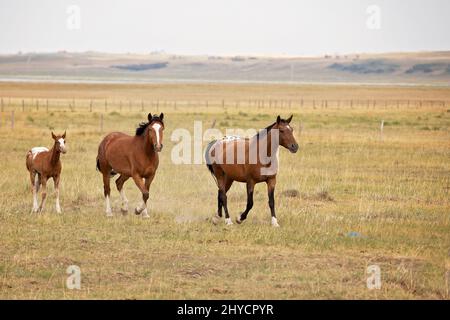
(249, 165)
(43, 164)
(131, 156)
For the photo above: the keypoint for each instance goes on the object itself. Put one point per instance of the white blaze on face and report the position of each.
(62, 143)
(156, 127)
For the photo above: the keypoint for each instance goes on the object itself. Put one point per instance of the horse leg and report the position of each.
(56, 182)
(145, 194)
(119, 183)
(148, 181)
(271, 192)
(34, 190)
(224, 185)
(107, 193)
(223, 197)
(218, 216)
(44, 193)
(219, 175)
(250, 188)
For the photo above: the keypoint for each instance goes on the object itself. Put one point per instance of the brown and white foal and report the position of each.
(42, 165)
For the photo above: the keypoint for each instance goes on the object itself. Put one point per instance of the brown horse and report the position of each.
(256, 161)
(131, 156)
(42, 165)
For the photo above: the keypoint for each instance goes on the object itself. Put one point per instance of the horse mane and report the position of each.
(143, 125)
(264, 131)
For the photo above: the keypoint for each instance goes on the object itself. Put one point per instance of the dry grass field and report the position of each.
(391, 190)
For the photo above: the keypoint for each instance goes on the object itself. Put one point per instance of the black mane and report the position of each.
(264, 131)
(143, 125)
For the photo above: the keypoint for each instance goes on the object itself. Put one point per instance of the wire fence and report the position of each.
(140, 105)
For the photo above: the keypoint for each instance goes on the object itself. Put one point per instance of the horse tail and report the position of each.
(29, 160)
(98, 164)
(208, 159)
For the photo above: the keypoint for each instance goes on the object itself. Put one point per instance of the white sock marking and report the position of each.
(108, 207)
(58, 207)
(145, 213)
(35, 201)
(124, 200)
(275, 222)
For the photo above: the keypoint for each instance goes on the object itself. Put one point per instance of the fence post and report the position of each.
(381, 129)
(2, 105)
(12, 120)
(101, 123)
(46, 105)
(23, 105)
(106, 105)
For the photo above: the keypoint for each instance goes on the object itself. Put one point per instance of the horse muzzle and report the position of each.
(157, 148)
(63, 150)
(293, 148)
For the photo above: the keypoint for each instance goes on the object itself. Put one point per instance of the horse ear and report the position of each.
(278, 119)
(149, 117)
(161, 116)
(64, 135)
(289, 119)
(53, 136)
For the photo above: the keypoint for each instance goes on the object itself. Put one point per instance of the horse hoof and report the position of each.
(124, 211)
(238, 220)
(136, 211)
(228, 222)
(215, 220)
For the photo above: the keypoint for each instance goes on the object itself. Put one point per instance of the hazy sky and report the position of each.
(291, 27)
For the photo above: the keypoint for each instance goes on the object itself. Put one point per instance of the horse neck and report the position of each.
(265, 139)
(55, 155)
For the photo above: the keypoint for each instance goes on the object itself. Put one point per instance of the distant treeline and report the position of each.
(142, 66)
(381, 66)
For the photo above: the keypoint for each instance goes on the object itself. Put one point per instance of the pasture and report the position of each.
(350, 198)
